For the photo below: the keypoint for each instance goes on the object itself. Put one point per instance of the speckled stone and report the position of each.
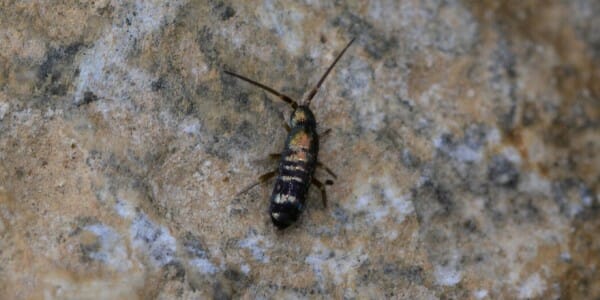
(465, 135)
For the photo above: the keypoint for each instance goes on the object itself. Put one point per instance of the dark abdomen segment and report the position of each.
(296, 169)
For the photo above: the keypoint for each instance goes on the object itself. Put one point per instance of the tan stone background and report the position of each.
(465, 135)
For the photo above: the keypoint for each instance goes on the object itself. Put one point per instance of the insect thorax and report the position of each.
(303, 116)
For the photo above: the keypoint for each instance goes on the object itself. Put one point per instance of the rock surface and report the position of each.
(465, 135)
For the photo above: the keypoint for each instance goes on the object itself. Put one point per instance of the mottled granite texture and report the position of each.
(465, 135)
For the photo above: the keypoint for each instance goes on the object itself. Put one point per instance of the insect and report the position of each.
(298, 160)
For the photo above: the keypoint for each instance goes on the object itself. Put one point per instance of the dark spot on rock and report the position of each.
(183, 106)
(83, 221)
(409, 160)
(227, 13)
(434, 201)
(50, 72)
(58, 89)
(503, 172)
(340, 215)
(225, 125)
(202, 90)
(503, 80)
(241, 101)
(88, 97)
(204, 40)
(87, 249)
(72, 49)
(150, 235)
(60, 238)
(524, 210)
(447, 144)
(475, 136)
(323, 39)
(105, 11)
(174, 270)
(413, 274)
(507, 119)
(128, 21)
(193, 246)
(243, 137)
(19, 172)
(444, 197)
(504, 59)
(470, 226)
(574, 198)
(303, 61)
(223, 10)
(530, 115)
(238, 212)
(93, 158)
(233, 275)
(390, 63)
(479, 258)
(219, 292)
(158, 84)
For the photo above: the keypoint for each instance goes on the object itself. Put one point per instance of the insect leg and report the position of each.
(262, 178)
(321, 165)
(321, 187)
(275, 155)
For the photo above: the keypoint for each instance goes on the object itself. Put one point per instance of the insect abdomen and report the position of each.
(296, 169)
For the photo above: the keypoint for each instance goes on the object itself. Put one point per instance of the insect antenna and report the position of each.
(313, 92)
(281, 96)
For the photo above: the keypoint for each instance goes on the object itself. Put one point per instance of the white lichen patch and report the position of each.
(4, 108)
(380, 198)
(57, 284)
(336, 264)
(400, 203)
(480, 294)
(432, 95)
(190, 126)
(204, 266)
(104, 69)
(111, 248)
(124, 209)
(257, 244)
(356, 77)
(534, 286)
(447, 275)
(462, 151)
(284, 23)
(245, 268)
(152, 239)
(512, 155)
(533, 182)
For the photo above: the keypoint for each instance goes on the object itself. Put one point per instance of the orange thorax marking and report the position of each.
(300, 141)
